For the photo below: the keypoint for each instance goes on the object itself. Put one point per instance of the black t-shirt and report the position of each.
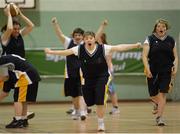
(72, 63)
(93, 65)
(14, 46)
(161, 55)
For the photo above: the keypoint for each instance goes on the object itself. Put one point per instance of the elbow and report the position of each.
(31, 27)
(9, 29)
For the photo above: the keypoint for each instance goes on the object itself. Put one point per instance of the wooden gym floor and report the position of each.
(134, 117)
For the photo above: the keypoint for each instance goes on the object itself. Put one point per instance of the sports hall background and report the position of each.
(130, 21)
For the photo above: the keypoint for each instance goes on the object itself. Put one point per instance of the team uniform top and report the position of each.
(14, 46)
(161, 53)
(72, 66)
(21, 66)
(93, 64)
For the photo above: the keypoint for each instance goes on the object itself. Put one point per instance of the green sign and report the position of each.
(124, 62)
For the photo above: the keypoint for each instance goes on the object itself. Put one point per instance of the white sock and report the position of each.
(18, 117)
(100, 120)
(24, 117)
(82, 112)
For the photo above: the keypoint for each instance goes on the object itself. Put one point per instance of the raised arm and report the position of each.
(125, 47)
(58, 30)
(9, 28)
(59, 52)
(145, 60)
(29, 24)
(101, 30)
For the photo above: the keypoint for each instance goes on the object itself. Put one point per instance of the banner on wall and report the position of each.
(124, 62)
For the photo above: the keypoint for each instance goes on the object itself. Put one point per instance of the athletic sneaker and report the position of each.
(101, 127)
(73, 112)
(89, 110)
(155, 108)
(30, 115)
(25, 123)
(160, 121)
(70, 111)
(75, 116)
(114, 111)
(83, 115)
(15, 124)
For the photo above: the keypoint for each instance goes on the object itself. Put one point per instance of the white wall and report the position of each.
(108, 5)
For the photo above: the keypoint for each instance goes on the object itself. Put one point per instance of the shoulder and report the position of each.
(170, 38)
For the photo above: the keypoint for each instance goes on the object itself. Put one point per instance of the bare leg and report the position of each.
(161, 104)
(100, 114)
(18, 106)
(114, 99)
(24, 110)
(3, 95)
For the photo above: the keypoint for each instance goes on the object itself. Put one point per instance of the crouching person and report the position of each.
(16, 73)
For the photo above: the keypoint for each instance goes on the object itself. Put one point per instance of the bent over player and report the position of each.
(21, 76)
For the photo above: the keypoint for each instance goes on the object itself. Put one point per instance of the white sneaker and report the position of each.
(30, 115)
(75, 117)
(73, 112)
(101, 127)
(160, 121)
(114, 111)
(83, 115)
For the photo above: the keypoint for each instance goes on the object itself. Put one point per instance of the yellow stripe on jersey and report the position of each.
(106, 90)
(65, 71)
(22, 93)
(22, 81)
(1, 85)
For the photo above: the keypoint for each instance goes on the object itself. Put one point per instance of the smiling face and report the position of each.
(77, 37)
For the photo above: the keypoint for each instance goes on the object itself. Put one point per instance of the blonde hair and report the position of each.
(162, 21)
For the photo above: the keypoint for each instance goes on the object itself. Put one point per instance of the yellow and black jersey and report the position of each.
(23, 73)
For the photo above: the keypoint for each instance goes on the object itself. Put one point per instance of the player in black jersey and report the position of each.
(95, 70)
(23, 78)
(161, 62)
(72, 82)
(12, 37)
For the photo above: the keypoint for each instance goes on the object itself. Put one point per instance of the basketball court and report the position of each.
(50, 111)
(134, 117)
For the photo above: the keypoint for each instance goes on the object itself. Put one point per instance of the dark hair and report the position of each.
(15, 22)
(103, 38)
(78, 30)
(87, 33)
(162, 21)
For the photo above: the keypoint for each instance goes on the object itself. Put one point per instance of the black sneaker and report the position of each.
(15, 124)
(30, 115)
(25, 123)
